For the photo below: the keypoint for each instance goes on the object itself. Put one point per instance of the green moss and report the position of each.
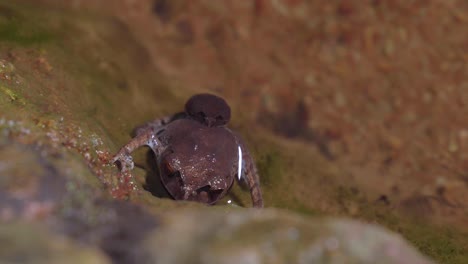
(303, 208)
(270, 167)
(443, 244)
(17, 27)
(13, 96)
(26, 242)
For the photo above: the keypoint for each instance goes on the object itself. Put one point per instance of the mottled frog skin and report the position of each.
(197, 155)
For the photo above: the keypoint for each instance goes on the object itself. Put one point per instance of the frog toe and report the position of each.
(123, 162)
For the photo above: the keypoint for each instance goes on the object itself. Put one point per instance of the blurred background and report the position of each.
(351, 108)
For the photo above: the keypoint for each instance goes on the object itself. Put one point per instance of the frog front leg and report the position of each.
(249, 174)
(145, 136)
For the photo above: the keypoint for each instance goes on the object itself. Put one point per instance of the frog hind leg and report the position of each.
(145, 136)
(249, 174)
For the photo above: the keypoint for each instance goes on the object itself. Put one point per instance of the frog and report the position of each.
(197, 155)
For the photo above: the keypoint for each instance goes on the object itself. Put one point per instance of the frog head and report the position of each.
(208, 109)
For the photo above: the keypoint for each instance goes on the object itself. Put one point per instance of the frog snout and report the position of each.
(207, 194)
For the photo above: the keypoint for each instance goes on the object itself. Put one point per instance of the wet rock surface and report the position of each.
(272, 236)
(31, 186)
(24, 242)
(75, 78)
(40, 190)
(117, 228)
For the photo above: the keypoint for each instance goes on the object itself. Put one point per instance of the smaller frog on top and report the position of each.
(198, 157)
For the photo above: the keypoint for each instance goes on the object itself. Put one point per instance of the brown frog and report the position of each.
(197, 155)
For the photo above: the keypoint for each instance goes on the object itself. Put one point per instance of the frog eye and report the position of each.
(200, 116)
(168, 169)
(220, 119)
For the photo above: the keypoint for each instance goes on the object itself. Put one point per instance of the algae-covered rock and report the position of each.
(273, 236)
(56, 198)
(28, 243)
